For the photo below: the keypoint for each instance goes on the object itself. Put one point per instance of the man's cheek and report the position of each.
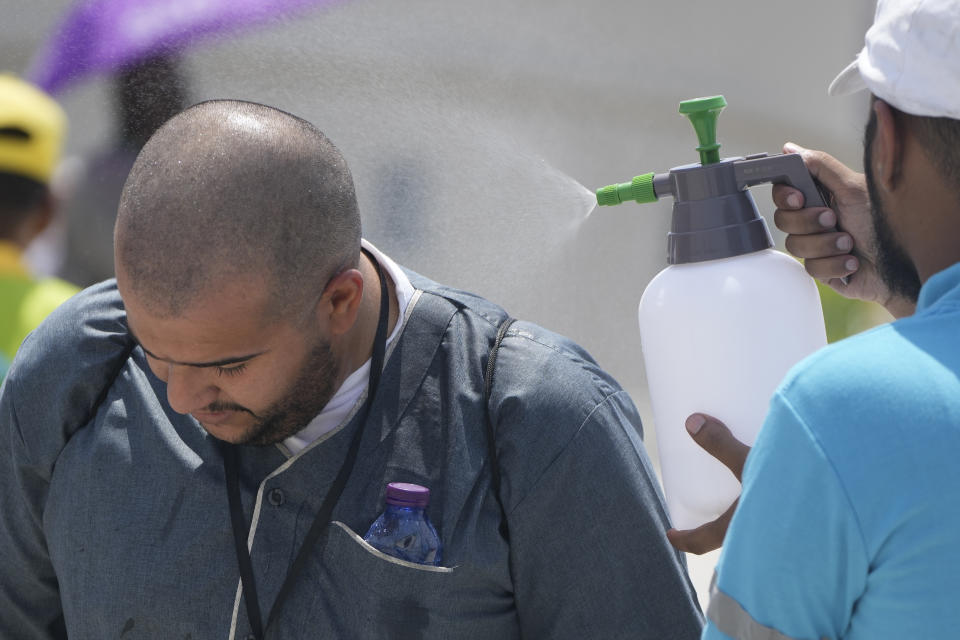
(157, 368)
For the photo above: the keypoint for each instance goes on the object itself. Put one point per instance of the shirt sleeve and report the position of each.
(29, 597)
(794, 560)
(52, 389)
(589, 553)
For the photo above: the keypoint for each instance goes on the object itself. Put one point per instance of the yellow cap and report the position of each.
(29, 110)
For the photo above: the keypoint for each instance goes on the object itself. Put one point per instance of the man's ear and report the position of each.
(340, 302)
(887, 157)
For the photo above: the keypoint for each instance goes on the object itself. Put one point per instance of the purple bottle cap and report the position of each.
(404, 494)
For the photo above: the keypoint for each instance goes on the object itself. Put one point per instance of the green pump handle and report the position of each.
(703, 114)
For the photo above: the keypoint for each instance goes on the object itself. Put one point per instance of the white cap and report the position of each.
(911, 58)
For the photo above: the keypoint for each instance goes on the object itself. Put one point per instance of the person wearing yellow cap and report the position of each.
(32, 126)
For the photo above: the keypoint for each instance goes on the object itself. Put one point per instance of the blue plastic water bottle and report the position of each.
(403, 529)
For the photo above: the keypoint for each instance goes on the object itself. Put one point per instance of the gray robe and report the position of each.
(115, 521)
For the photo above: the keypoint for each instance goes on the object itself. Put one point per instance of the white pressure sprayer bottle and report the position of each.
(722, 325)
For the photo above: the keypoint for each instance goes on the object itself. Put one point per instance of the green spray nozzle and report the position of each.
(703, 114)
(639, 189)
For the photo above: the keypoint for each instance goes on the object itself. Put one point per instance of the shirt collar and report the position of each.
(341, 407)
(944, 285)
(11, 260)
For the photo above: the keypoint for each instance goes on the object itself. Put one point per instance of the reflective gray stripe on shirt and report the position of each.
(732, 619)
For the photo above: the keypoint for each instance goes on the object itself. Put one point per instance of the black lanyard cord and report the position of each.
(240, 531)
(322, 519)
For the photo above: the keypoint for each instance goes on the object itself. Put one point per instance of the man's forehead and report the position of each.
(219, 324)
(181, 340)
(219, 288)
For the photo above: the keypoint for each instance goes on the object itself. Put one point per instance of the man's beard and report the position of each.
(895, 267)
(305, 398)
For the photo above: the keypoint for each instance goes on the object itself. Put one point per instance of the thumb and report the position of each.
(822, 166)
(717, 440)
(793, 147)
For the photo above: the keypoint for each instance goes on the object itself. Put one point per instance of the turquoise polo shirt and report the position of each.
(849, 521)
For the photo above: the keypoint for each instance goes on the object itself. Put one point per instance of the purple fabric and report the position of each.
(102, 35)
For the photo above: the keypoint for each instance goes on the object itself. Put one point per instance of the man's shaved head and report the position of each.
(230, 188)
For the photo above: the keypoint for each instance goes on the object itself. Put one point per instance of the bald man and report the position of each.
(196, 449)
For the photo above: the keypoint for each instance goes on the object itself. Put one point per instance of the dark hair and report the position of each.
(230, 188)
(940, 138)
(19, 197)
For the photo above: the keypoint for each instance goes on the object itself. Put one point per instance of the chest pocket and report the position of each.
(367, 594)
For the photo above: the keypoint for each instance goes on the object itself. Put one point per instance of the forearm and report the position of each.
(29, 597)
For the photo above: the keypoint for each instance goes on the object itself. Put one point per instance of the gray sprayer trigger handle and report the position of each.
(787, 168)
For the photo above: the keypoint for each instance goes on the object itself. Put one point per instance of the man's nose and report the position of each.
(189, 389)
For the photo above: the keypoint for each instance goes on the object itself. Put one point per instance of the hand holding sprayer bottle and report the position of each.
(722, 325)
